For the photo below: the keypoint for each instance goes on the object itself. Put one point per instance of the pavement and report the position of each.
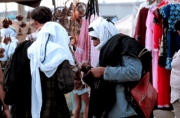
(163, 114)
(158, 113)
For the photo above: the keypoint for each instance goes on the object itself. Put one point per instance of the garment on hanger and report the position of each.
(163, 75)
(149, 42)
(144, 4)
(82, 52)
(171, 12)
(10, 47)
(140, 30)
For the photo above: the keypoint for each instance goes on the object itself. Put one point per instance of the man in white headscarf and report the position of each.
(50, 60)
(114, 69)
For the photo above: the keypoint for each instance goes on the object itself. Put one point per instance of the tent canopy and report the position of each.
(31, 3)
(125, 25)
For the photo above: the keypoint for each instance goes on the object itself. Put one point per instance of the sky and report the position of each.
(48, 3)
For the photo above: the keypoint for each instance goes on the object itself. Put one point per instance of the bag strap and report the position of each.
(45, 48)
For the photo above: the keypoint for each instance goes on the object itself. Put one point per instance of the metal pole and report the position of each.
(21, 10)
(97, 7)
(54, 3)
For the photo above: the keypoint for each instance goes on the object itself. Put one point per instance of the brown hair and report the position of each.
(41, 14)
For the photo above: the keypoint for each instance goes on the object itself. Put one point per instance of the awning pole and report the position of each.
(54, 3)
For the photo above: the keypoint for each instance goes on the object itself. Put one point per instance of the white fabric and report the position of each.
(124, 25)
(57, 51)
(175, 77)
(33, 36)
(103, 30)
(10, 47)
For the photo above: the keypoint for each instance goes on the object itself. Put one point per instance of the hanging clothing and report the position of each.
(140, 30)
(82, 52)
(149, 43)
(158, 29)
(142, 5)
(163, 87)
(172, 13)
(163, 75)
(10, 47)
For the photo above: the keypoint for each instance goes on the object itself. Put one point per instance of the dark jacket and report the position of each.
(18, 91)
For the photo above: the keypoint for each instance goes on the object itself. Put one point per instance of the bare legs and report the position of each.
(78, 99)
(85, 98)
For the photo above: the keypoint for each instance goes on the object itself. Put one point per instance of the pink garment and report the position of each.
(82, 52)
(85, 50)
(94, 52)
(149, 44)
(87, 44)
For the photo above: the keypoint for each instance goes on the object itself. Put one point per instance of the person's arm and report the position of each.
(131, 70)
(6, 111)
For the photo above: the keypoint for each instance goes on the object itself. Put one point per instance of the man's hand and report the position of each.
(97, 72)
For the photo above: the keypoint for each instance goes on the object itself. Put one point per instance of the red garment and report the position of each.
(158, 29)
(140, 30)
(163, 79)
(163, 87)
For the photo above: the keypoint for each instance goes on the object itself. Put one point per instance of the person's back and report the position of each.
(54, 104)
(50, 64)
(50, 61)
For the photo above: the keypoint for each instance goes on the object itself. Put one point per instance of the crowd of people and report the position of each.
(50, 59)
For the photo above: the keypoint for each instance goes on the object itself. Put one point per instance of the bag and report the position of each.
(142, 97)
(102, 95)
(66, 78)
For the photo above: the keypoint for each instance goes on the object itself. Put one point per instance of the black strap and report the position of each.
(45, 49)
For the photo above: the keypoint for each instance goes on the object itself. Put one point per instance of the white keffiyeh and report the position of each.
(103, 30)
(10, 47)
(57, 51)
